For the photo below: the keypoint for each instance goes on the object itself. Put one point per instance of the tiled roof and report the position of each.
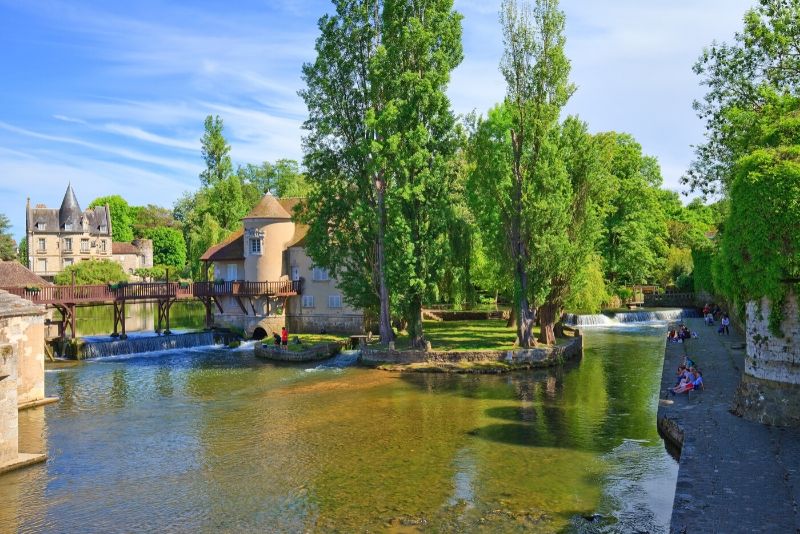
(14, 274)
(268, 208)
(14, 306)
(123, 248)
(54, 219)
(232, 248)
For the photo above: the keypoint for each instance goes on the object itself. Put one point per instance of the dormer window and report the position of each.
(68, 227)
(103, 229)
(41, 226)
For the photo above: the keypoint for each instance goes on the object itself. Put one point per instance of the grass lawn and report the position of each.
(466, 335)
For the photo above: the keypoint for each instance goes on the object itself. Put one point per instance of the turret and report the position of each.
(70, 212)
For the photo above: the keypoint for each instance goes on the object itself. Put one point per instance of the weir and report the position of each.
(97, 349)
(630, 317)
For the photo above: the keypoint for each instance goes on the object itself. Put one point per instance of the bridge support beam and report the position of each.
(67, 321)
(119, 319)
(163, 315)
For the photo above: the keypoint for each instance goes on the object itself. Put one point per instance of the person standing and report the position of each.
(726, 321)
(284, 337)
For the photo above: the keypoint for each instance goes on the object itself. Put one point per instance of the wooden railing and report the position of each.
(246, 289)
(153, 291)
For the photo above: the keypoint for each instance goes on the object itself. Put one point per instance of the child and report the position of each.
(284, 337)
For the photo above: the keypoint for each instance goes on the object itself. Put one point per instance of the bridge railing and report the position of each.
(246, 289)
(51, 294)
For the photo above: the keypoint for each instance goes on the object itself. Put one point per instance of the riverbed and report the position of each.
(211, 439)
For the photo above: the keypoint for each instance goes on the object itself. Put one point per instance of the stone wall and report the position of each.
(317, 323)
(25, 333)
(536, 356)
(9, 437)
(321, 351)
(770, 388)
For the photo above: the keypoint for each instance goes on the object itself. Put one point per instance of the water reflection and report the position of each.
(225, 442)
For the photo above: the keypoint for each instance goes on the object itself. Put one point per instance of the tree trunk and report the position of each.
(384, 317)
(415, 331)
(548, 314)
(512, 317)
(519, 249)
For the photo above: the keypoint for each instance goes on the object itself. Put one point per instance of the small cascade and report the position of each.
(118, 347)
(650, 316)
(631, 317)
(589, 320)
(346, 358)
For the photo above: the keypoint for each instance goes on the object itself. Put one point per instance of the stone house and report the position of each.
(58, 238)
(270, 247)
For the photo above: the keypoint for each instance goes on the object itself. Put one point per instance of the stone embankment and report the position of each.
(318, 352)
(486, 361)
(735, 475)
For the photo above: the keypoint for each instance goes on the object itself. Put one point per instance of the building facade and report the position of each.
(270, 247)
(58, 238)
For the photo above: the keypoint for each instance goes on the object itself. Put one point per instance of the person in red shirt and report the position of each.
(284, 337)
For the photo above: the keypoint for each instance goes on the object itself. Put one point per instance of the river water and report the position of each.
(209, 440)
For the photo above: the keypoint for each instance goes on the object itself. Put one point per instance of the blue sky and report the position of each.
(112, 95)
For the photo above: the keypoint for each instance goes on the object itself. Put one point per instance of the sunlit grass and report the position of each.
(466, 335)
(308, 340)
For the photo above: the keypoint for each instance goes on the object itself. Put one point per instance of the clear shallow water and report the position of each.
(213, 440)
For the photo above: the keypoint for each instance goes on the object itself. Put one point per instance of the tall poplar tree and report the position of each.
(377, 154)
(536, 70)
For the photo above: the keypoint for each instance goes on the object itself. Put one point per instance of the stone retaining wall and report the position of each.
(321, 351)
(537, 356)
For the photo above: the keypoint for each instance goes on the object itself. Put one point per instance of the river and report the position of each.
(208, 440)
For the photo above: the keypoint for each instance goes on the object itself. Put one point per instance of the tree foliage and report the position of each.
(92, 272)
(8, 247)
(150, 217)
(122, 217)
(169, 247)
(742, 78)
(216, 153)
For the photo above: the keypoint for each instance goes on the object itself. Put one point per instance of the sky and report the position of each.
(111, 96)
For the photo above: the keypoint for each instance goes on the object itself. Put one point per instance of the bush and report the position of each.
(685, 283)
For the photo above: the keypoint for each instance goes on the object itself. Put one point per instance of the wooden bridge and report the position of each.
(67, 298)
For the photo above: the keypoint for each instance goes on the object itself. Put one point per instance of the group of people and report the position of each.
(680, 334)
(689, 378)
(712, 314)
(282, 338)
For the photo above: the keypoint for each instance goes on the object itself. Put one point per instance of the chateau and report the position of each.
(270, 247)
(58, 238)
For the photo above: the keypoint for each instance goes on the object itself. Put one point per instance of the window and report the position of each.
(42, 244)
(233, 271)
(103, 229)
(67, 244)
(41, 265)
(41, 226)
(308, 301)
(67, 227)
(84, 246)
(255, 246)
(334, 301)
(68, 262)
(319, 274)
(102, 245)
(295, 273)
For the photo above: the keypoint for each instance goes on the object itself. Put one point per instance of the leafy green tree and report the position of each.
(122, 217)
(743, 77)
(216, 153)
(92, 272)
(169, 246)
(8, 247)
(537, 76)
(635, 243)
(23, 252)
(151, 216)
(346, 208)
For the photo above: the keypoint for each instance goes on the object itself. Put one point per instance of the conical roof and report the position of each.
(70, 211)
(268, 208)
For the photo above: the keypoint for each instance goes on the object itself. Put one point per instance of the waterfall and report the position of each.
(631, 317)
(97, 349)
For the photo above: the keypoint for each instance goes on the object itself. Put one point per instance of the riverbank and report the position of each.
(734, 475)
